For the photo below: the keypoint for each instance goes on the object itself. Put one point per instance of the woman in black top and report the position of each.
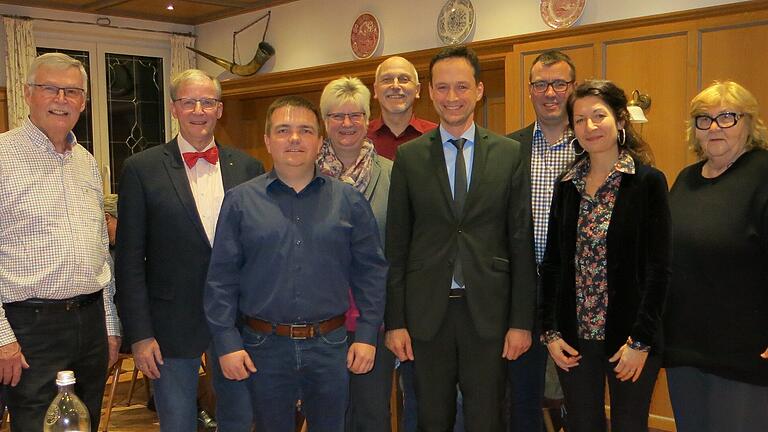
(606, 268)
(716, 321)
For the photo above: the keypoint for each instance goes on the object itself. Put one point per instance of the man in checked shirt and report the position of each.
(547, 145)
(56, 283)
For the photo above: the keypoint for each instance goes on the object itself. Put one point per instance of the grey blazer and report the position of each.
(377, 192)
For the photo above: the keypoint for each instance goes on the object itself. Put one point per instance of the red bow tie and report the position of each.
(211, 155)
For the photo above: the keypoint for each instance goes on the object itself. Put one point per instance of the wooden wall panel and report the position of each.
(655, 65)
(737, 53)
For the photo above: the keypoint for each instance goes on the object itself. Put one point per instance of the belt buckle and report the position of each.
(295, 326)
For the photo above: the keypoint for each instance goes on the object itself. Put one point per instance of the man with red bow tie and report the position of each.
(170, 196)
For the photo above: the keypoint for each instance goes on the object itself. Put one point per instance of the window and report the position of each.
(134, 107)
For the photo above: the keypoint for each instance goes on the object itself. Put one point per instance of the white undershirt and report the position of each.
(207, 187)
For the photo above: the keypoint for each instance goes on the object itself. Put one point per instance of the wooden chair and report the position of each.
(115, 372)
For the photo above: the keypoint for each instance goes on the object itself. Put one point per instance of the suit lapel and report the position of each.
(437, 157)
(178, 175)
(478, 164)
(227, 166)
(375, 175)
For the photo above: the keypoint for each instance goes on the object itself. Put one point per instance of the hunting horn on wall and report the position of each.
(264, 52)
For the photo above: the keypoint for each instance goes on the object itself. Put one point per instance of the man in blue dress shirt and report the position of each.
(289, 246)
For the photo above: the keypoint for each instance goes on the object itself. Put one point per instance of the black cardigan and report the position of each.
(638, 258)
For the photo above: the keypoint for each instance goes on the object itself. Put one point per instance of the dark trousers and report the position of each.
(584, 390)
(369, 393)
(457, 354)
(53, 340)
(311, 370)
(525, 389)
(704, 402)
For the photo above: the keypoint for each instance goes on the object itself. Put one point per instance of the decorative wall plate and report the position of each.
(561, 13)
(455, 22)
(365, 36)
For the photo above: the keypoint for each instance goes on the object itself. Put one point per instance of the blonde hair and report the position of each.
(192, 75)
(346, 89)
(732, 94)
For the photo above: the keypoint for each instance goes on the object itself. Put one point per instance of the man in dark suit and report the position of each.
(547, 151)
(170, 196)
(461, 290)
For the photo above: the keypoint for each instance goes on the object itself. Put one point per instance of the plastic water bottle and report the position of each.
(67, 413)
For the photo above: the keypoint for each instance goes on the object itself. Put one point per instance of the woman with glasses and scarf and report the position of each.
(349, 156)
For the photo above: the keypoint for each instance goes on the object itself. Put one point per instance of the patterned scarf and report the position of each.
(358, 175)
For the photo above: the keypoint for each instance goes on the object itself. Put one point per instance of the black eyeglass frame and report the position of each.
(716, 119)
(549, 84)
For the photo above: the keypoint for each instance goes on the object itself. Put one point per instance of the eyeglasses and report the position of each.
(389, 80)
(354, 117)
(189, 104)
(559, 86)
(53, 91)
(724, 120)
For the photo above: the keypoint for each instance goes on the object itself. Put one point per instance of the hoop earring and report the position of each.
(575, 142)
(622, 137)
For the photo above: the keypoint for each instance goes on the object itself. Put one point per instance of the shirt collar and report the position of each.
(379, 126)
(468, 134)
(624, 164)
(273, 180)
(565, 138)
(40, 139)
(186, 147)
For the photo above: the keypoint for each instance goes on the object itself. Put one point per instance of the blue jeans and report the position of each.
(311, 370)
(525, 389)
(176, 394)
(703, 402)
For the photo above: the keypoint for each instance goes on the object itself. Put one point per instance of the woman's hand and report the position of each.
(631, 362)
(564, 355)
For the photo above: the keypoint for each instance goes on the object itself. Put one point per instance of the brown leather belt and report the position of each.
(296, 331)
(457, 293)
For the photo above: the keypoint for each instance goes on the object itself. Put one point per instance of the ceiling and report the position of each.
(191, 12)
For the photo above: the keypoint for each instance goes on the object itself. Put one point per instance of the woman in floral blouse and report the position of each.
(607, 266)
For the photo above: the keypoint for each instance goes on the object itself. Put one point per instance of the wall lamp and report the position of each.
(637, 106)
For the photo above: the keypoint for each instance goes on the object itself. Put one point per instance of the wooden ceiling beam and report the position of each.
(98, 5)
(225, 3)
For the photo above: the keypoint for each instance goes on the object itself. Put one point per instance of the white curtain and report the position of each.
(19, 54)
(181, 60)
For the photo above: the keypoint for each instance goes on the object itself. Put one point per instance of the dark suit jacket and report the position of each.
(495, 231)
(638, 257)
(162, 249)
(525, 137)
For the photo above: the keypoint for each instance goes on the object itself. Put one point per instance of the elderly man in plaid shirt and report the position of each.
(547, 144)
(56, 284)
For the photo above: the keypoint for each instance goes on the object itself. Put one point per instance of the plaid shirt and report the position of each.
(547, 162)
(53, 235)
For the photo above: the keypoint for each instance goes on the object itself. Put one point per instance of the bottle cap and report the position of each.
(65, 378)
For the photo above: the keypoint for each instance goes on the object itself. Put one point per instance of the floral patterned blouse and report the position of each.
(590, 260)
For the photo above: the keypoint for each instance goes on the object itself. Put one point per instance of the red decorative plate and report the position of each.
(365, 36)
(561, 13)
